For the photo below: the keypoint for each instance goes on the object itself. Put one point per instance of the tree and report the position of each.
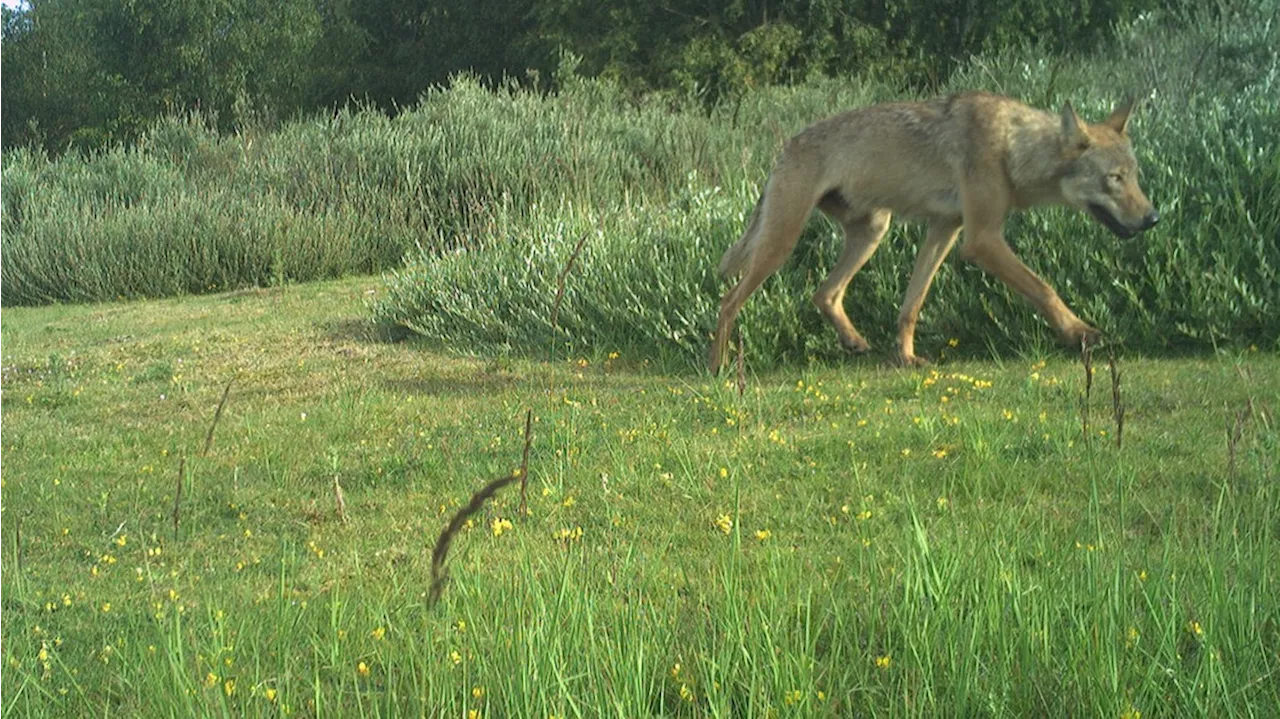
(94, 72)
(390, 51)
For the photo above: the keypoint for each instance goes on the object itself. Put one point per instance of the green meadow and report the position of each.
(834, 539)
(248, 377)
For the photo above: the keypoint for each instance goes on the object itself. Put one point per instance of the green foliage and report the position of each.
(125, 224)
(645, 280)
(354, 192)
(486, 191)
(388, 52)
(91, 73)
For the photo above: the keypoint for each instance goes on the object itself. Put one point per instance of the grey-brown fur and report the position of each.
(962, 160)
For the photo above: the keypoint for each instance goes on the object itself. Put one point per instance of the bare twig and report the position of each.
(439, 577)
(217, 415)
(524, 461)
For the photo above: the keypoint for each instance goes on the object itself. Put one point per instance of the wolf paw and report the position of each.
(1082, 335)
(855, 345)
(912, 360)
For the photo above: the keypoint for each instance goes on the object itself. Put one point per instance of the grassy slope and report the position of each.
(971, 556)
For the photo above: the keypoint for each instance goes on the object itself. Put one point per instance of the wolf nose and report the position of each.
(1150, 220)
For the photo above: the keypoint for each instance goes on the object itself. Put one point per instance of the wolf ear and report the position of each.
(1074, 133)
(1120, 116)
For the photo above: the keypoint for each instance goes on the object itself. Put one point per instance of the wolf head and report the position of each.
(1101, 176)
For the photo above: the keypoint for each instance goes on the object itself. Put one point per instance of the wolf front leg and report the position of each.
(993, 255)
(985, 205)
(941, 237)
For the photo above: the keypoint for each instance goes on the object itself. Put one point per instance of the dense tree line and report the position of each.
(90, 73)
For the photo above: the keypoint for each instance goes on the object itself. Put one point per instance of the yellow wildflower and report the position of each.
(724, 523)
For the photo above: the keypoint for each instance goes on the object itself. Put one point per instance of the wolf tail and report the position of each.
(736, 257)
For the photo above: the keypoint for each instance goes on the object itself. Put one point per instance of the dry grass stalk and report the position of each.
(1235, 430)
(742, 370)
(524, 462)
(439, 577)
(555, 307)
(555, 311)
(1117, 403)
(341, 501)
(177, 496)
(1086, 359)
(217, 415)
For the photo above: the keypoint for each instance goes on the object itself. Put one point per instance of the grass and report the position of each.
(843, 538)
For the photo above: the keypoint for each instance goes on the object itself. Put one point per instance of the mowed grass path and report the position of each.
(840, 540)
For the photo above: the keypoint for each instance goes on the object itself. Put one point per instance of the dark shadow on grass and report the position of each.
(363, 330)
(479, 385)
(672, 362)
(254, 292)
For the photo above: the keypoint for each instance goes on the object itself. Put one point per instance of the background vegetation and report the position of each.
(92, 73)
(831, 539)
(485, 191)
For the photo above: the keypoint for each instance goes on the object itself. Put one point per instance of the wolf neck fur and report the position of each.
(1034, 146)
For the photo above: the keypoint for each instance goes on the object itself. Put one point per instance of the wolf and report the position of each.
(962, 161)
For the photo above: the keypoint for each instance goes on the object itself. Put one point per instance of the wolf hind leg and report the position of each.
(862, 236)
(938, 242)
(779, 225)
